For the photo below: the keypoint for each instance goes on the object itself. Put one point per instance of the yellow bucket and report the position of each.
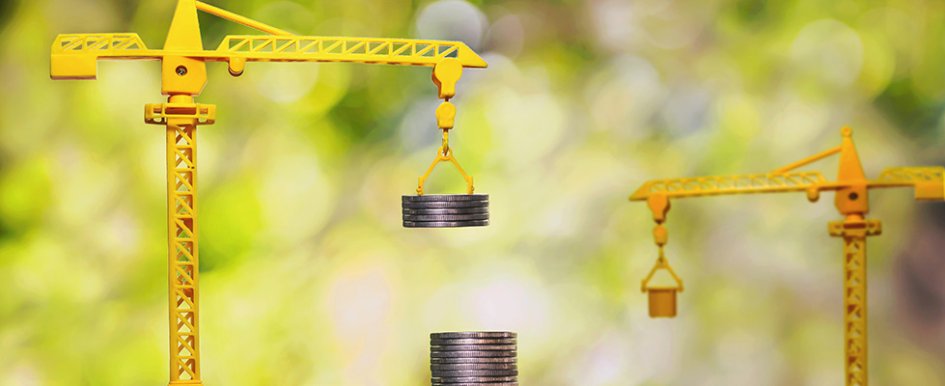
(662, 302)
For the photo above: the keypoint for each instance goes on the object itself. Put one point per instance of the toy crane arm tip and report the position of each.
(643, 192)
(469, 58)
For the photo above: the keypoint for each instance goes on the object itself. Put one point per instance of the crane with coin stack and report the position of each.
(852, 201)
(183, 77)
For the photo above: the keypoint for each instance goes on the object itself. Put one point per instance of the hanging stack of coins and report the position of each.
(446, 210)
(474, 358)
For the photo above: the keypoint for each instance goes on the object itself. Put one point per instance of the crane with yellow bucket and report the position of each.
(852, 201)
(183, 77)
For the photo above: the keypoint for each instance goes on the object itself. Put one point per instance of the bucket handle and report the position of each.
(662, 263)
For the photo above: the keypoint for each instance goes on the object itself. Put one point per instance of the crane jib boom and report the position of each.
(75, 56)
(929, 184)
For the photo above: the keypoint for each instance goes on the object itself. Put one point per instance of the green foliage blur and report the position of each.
(308, 277)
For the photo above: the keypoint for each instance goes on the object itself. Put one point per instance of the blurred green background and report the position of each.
(309, 279)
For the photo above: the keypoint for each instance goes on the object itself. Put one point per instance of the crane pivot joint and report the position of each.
(855, 228)
(180, 114)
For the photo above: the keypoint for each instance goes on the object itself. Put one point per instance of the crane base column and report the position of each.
(181, 117)
(854, 233)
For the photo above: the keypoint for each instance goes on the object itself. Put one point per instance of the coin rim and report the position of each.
(445, 217)
(445, 198)
(472, 341)
(446, 211)
(473, 334)
(446, 205)
(474, 354)
(445, 224)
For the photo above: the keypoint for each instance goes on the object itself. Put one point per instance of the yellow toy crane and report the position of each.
(184, 75)
(852, 201)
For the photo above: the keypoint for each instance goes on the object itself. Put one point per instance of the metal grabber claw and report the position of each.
(445, 154)
(446, 210)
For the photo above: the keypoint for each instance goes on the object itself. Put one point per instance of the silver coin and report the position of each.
(442, 375)
(446, 198)
(453, 375)
(446, 205)
(473, 380)
(443, 211)
(514, 383)
(445, 224)
(474, 335)
(446, 217)
(472, 347)
(476, 384)
(473, 373)
(472, 354)
(472, 341)
(467, 361)
(473, 366)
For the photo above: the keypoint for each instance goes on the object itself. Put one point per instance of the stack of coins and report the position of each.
(446, 210)
(474, 358)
